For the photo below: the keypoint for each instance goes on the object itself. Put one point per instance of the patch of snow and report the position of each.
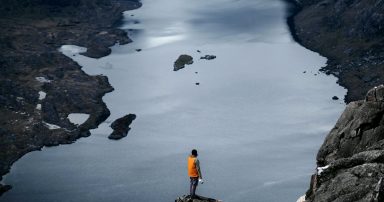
(78, 118)
(51, 126)
(321, 169)
(71, 50)
(42, 79)
(301, 199)
(38, 106)
(42, 95)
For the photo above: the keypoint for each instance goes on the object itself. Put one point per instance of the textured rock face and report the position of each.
(187, 198)
(350, 34)
(351, 160)
(121, 127)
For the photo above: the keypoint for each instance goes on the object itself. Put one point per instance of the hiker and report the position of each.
(194, 172)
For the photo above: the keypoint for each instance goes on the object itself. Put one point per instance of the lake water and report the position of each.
(256, 119)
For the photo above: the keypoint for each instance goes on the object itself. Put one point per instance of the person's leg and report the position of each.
(194, 186)
(191, 187)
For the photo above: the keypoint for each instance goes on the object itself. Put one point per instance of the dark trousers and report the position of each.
(193, 186)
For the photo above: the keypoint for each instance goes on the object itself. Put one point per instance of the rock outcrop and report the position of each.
(121, 127)
(350, 34)
(351, 160)
(4, 188)
(187, 198)
(181, 61)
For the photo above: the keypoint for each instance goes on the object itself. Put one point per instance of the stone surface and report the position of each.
(186, 198)
(121, 127)
(351, 159)
(181, 61)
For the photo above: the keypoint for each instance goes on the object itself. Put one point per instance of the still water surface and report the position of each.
(256, 119)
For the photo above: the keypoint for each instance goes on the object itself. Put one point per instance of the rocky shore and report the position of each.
(350, 34)
(39, 86)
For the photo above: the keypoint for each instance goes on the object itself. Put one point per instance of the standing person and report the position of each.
(194, 172)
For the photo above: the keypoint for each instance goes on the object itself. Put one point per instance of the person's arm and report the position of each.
(197, 162)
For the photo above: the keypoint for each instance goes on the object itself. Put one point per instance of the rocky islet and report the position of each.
(181, 61)
(121, 127)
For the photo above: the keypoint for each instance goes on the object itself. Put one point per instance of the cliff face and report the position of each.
(350, 33)
(39, 86)
(351, 160)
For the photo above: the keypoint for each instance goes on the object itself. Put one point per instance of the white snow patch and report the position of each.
(301, 199)
(78, 118)
(42, 95)
(38, 106)
(51, 126)
(70, 50)
(321, 169)
(42, 79)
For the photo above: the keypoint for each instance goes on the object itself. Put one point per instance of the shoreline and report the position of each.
(354, 58)
(33, 66)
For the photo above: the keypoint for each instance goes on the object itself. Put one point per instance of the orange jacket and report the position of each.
(192, 168)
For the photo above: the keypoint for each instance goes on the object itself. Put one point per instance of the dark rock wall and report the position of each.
(352, 155)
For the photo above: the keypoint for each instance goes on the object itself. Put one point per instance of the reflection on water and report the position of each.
(256, 118)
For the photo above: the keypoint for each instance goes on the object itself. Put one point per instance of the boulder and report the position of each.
(97, 51)
(121, 127)
(187, 198)
(376, 94)
(182, 61)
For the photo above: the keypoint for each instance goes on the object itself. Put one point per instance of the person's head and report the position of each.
(194, 152)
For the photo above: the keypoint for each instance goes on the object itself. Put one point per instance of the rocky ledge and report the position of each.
(350, 163)
(187, 198)
(39, 86)
(350, 34)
